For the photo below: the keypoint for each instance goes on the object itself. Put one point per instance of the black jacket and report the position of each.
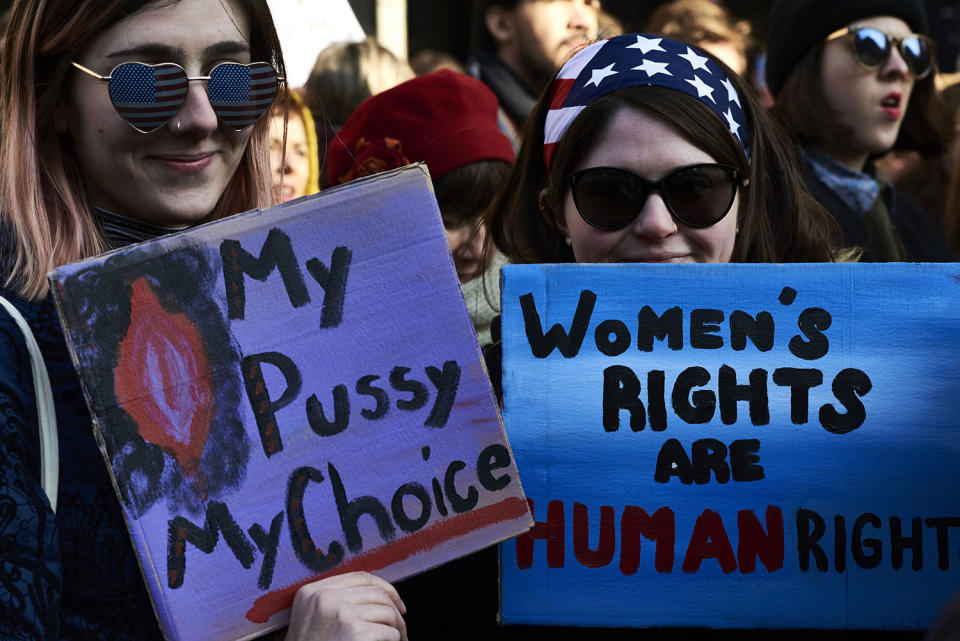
(922, 238)
(515, 99)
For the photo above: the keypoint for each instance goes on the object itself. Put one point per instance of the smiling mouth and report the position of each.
(195, 157)
(658, 258)
(185, 163)
(574, 42)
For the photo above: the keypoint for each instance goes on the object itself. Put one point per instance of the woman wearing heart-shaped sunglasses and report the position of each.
(853, 80)
(122, 120)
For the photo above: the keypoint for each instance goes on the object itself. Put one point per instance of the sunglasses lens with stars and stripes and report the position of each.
(148, 96)
(609, 198)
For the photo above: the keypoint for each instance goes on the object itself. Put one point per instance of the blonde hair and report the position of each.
(290, 103)
(346, 74)
(45, 207)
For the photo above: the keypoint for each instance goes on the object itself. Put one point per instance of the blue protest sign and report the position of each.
(733, 445)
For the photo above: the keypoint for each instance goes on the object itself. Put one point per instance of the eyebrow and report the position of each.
(157, 50)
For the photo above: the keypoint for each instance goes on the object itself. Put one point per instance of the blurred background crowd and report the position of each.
(829, 131)
(340, 56)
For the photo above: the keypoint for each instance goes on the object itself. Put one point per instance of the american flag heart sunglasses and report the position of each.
(148, 96)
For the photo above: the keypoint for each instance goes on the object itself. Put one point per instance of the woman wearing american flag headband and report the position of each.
(647, 149)
(122, 120)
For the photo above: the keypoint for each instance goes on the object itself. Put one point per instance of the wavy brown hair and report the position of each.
(45, 207)
(779, 220)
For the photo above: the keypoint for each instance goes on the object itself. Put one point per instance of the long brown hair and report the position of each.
(779, 220)
(952, 212)
(45, 207)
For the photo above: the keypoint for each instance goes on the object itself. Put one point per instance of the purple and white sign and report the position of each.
(288, 394)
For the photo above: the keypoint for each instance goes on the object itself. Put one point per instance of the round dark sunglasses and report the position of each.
(872, 48)
(148, 96)
(610, 198)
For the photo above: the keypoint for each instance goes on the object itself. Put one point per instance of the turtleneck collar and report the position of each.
(121, 231)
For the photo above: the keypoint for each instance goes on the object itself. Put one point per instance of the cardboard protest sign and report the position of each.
(733, 445)
(288, 394)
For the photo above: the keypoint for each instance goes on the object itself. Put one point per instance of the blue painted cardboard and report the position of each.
(288, 394)
(840, 512)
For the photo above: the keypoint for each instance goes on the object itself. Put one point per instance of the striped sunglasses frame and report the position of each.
(148, 96)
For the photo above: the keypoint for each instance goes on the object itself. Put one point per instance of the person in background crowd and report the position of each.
(707, 25)
(853, 80)
(449, 121)
(608, 26)
(80, 176)
(296, 164)
(343, 76)
(523, 42)
(427, 60)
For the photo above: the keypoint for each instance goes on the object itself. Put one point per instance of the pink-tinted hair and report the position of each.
(45, 209)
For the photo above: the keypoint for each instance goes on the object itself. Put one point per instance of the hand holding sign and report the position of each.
(348, 607)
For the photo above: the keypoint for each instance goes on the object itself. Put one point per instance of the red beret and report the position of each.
(445, 119)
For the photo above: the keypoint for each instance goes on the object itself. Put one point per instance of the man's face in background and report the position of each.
(537, 36)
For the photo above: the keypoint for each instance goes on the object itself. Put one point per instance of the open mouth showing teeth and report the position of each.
(891, 101)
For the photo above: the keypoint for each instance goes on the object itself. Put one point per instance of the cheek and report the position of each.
(302, 166)
(457, 237)
(716, 244)
(238, 141)
(275, 160)
(723, 238)
(844, 82)
(589, 245)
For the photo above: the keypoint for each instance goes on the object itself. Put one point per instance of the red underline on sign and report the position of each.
(513, 508)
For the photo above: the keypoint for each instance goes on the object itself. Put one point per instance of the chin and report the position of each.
(882, 142)
(181, 214)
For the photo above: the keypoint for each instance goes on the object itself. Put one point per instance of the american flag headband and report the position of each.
(638, 60)
(148, 96)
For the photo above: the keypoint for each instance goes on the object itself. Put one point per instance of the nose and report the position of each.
(584, 16)
(654, 221)
(894, 67)
(280, 167)
(196, 117)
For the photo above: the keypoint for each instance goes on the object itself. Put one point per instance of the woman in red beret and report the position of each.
(447, 120)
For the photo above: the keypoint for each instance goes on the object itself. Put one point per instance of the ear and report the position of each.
(499, 23)
(552, 220)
